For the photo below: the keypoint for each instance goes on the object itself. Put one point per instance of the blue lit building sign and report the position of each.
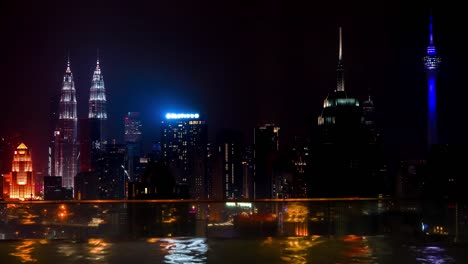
(182, 116)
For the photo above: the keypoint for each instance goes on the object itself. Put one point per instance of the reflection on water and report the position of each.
(432, 255)
(189, 250)
(351, 249)
(98, 249)
(358, 250)
(24, 251)
(67, 250)
(295, 249)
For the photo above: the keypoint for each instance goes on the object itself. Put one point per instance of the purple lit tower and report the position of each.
(65, 151)
(97, 108)
(431, 64)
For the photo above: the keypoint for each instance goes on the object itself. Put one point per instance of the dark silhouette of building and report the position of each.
(443, 176)
(157, 182)
(248, 170)
(53, 189)
(300, 158)
(229, 148)
(87, 186)
(266, 147)
(86, 148)
(132, 136)
(110, 171)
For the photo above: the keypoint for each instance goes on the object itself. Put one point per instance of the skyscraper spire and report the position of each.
(97, 96)
(68, 64)
(340, 69)
(340, 57)
(68, 95)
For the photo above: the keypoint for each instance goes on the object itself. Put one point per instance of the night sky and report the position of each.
(239, 63)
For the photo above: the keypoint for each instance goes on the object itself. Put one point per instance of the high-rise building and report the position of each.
(65, 136)
(300, 159)
(341, 115)
(86, 149)
(110, 172)
(183, 145)
(22, 182)
(132, 138)
(132, 123)
(248, 164)
(97, 113)
(347, 157)
(229, 145)
(266, 147)
(431, 65)
(368, 119)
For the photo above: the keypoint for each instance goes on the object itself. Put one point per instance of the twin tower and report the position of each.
(63, 160)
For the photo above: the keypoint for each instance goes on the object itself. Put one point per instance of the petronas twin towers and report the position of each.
(66, 151)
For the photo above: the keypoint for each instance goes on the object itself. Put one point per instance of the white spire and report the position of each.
(68, 64)
(340, 52)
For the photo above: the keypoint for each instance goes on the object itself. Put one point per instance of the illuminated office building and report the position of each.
(65, 157)
(22, 182)
(431, 64)
(183, 147)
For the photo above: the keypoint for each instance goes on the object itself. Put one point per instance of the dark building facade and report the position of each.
(110, 171)
(229, 148)
(87, 186)
(266, 150)
(300, 159)
(132, 137)
(53, 189)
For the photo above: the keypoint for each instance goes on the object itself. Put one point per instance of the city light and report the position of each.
(182, 116)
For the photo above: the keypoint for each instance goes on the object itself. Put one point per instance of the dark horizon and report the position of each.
(240, 65)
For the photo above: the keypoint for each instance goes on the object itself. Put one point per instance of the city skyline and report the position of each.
(240, 72)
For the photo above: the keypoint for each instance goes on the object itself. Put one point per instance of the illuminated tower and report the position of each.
(65, 151)
(431, 64)
(22, 183)
(97, 106)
